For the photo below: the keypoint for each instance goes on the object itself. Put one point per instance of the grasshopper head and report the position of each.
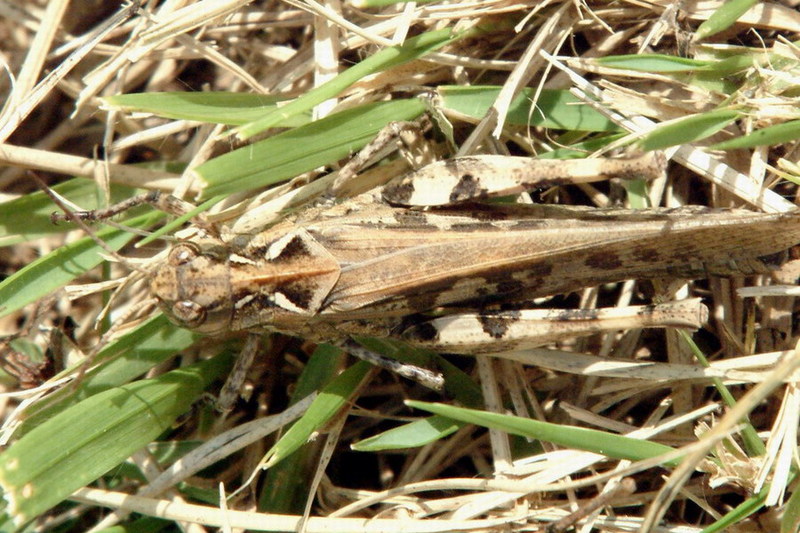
(193, 288)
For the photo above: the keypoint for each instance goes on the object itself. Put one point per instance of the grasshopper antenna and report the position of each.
(79, 221)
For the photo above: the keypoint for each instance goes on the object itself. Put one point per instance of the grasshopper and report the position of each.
(419, 260)
(382, 265)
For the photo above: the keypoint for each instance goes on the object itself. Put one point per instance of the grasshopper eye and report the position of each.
(188, 313)
(183, 253)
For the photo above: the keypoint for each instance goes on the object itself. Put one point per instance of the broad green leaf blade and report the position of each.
(411, 435)
(554, 109)
(590, 440)
(790, 523)
(215, 107)
(652, 63)
(94, 436)
(723, 18)
(330, 400)
(751, 505)
(769, 136)
(389, 57)
(286, 483)
(127, 357)
(688, 130)
(322, 366)
(302, 149)
(59, 267)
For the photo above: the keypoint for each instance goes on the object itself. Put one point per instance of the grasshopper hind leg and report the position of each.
(503, 331)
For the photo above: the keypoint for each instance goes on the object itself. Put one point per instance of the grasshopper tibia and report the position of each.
(424, 377)
(407, 133)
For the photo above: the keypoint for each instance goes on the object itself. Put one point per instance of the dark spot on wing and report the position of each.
(253, 300)
(603, 261)
(473, 226)
(294, 248)
(646, 255)
(509, 286)
(299, 293)
(422, 302)
(474, 210)
(536, 275)
(409, 217)
(539, 270)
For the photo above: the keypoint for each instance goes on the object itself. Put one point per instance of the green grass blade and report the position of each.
(61, 266)
(790, 523)
(752, 441)
(771, 135)
(723, 18)
(214, 107)
(302, 149)
(127, 358)
(94, 436)
(614, 446)
(554, 109)
(286, 483)
(330, 400)
(411, 435)
(458, 385)
(748, 507)
(652, 63)
(389, 57)
(688, 130)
